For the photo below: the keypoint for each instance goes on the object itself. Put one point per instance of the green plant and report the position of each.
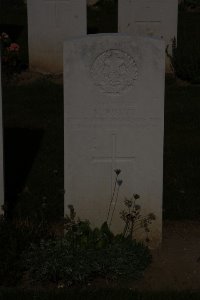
(10, 56)
(133, 218)
(85, 254)
(15, 238)
(114, 197)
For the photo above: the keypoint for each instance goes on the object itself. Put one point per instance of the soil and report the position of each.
(176, 265)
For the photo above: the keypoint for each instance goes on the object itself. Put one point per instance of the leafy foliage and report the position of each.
(10, 56)
(133, 218)
(85, 254)
(15, 238)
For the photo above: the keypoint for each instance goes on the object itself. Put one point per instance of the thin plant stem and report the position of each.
(132, 228)
(113, 194)
(126, 228)
(114, 206)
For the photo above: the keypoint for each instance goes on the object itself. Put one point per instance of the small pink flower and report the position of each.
(13, 47)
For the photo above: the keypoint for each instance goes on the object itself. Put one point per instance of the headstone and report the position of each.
(1, 150)
(113, 119)
(50, 22)
(157, 18)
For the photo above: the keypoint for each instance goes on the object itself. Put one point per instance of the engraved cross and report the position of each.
(56, 2)
(113, 159)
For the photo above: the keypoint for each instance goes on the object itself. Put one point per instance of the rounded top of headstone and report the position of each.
(114, 71)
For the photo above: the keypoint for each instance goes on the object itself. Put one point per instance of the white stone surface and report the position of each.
(113, 119)
(50, 22)
(158, 18)
(1, 150)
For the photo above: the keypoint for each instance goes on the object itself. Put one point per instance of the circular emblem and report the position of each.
(114, 71)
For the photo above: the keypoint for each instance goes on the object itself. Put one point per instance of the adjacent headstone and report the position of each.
(157, 18)
(50, 22)
(113, 119)
(1, 150)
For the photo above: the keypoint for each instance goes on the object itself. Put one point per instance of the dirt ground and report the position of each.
(176, 265)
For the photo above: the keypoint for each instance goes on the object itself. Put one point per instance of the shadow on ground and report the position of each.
(20, 149)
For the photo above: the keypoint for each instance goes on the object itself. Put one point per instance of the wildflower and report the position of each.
(13, 47)
(128, 202)
(137, 207)
(119, 182)
(136, 196)
(117, 171)
(147, 240)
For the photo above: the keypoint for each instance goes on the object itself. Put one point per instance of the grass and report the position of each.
(90, 294)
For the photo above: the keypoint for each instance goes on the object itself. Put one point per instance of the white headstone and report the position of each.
(50, 22)
(157, 18)
(113, 119)
(1, 150)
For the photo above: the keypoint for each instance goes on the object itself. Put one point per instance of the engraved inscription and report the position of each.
(114, 71)
(89, 124)
(114, 113)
